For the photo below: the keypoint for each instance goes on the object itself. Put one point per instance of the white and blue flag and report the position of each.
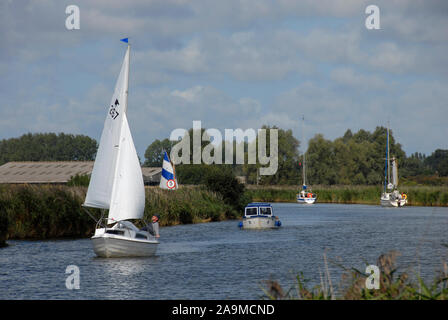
(168, 178)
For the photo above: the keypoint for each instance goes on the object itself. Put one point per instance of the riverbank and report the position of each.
(47, 211)
(417, 195)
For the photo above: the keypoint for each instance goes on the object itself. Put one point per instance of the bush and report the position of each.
(227, 185)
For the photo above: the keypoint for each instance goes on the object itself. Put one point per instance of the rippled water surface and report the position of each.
(219, 261)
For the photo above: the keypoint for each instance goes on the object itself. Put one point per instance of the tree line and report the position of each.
(355, 158)
(48, 147)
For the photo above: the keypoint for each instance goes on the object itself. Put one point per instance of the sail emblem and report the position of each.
(113, 110)
(171, 184)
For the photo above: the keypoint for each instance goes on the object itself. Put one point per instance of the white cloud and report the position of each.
(229, 63)
(349, 77)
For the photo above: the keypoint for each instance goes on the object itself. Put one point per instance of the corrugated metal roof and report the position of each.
(56, 171)
(151, 174)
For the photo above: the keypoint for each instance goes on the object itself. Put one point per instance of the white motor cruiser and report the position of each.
(259, 215)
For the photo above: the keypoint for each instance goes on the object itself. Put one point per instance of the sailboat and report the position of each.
(116, 184)
(305, 195)
(168, 179)
(391, 197)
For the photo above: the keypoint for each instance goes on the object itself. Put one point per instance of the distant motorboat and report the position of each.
(305, 195)
(116, 183)
(391, 197)
(259, 215)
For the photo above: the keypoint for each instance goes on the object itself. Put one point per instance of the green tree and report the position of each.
(288, 171)
(321, 155)
(357, 158)
(223, 181)
(438, 162)
(154, 152)
(48, 147)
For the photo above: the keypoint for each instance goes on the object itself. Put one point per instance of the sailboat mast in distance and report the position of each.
(388, 156)
(305, 195)
(304, 151)
(391, 197)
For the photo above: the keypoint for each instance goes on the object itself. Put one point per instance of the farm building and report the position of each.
(58, 172)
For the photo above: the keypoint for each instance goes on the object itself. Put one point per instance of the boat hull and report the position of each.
(306, 200)
(393, 200)
(393, 203)
(110, 246)
(260, 223)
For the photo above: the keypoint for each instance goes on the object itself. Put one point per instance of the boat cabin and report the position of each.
(258, 209)
(127, 229)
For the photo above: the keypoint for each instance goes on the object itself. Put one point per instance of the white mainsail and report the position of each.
(116, 182)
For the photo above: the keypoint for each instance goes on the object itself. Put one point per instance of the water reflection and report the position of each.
(113, 267)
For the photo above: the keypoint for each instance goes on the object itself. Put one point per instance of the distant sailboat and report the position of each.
(168, 179)
(305, 196)
(391, 197)
(116, 182)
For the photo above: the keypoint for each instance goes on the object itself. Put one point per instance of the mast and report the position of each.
(387, 166)
(126, 91)
(125, 107)
(388, 155)
(304, 152)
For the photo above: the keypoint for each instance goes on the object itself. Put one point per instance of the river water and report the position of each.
(219, 261)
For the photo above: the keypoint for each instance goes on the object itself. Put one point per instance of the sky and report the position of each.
(230, 64)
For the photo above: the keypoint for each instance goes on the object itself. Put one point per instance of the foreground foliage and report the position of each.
(392, 286)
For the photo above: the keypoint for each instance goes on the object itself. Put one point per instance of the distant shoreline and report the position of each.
(427, 196)
(38, 212)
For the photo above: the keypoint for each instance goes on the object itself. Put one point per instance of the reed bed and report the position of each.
(392, 285)
(187, 205)
(54, 211)
(42, 212)
(417, 195)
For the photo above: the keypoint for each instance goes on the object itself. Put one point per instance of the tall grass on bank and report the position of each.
(417, 195)
(392, 286)
(187, 205)
(46, 211)
(42, 212)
